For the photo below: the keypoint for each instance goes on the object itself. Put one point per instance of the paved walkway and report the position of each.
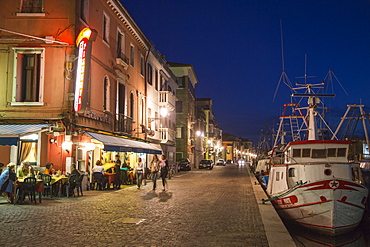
(201, 208)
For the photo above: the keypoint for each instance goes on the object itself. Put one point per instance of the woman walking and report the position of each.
(154, 169)
(139, 170)
(164, 171)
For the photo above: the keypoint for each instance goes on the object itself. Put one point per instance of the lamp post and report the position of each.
(207, 133)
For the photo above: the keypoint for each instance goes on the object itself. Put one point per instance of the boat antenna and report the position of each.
(282, 46)
(283, 77)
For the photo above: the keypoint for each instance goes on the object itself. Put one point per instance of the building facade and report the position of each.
(161, 102)
(185, 110)
(75, 85)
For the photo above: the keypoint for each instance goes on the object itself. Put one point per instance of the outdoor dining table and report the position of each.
(60, 180)
(39, 188)
(111, 178)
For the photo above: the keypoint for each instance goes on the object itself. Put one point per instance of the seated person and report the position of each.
(74, 177)
(24, 170)
(6, 181)
(99, 169)
(49, 169)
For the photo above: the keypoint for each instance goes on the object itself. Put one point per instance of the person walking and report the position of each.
(117, 171)
(164, 171)
(154, 169)
(124, 175)
(139, 170)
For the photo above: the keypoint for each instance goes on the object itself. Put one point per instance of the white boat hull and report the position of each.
(332, 206)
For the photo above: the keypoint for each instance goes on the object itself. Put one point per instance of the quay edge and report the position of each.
(276, 232)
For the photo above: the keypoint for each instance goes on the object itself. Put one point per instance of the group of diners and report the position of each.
(11, 179)
(123, 174)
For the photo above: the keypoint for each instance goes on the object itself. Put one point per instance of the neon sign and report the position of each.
(83, 66)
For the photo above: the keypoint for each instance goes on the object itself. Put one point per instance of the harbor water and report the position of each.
(360, 237)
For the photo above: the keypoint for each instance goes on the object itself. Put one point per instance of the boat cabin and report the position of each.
(317, 151)
(308, 161)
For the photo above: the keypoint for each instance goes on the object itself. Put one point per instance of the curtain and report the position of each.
(25, 150)
(35, 151)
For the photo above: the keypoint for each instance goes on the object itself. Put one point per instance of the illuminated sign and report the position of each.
(83, 43)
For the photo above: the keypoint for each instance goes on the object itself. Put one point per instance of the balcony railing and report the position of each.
(123, 124)
(122, 59)
(166, 135)
(167, 99)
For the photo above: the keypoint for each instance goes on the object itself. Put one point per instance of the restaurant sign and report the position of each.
(84, 44)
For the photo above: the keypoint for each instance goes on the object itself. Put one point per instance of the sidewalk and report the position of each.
(276, 232)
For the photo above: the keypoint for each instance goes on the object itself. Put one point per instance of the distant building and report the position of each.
(161, 103)
(207, 131)
(185, 110)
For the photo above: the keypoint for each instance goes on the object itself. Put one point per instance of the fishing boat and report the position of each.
(314, 184)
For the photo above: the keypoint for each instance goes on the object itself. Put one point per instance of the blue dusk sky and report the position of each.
(235, 48)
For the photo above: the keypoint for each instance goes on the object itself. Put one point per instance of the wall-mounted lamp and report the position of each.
(199, 133)
(163, 111)
(67, 144)
(88, 146)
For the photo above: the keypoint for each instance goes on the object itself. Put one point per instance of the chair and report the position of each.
(70, 185)
(79, 184)
(47, 184)
(28, 187)
(98, 180)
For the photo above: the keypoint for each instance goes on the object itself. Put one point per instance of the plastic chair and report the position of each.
(47, 184)
(28, 187)
(98, 180)
(79, 184)
(70, 185)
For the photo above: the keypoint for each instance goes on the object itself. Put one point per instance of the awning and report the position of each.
(10, 134)
(119, 144)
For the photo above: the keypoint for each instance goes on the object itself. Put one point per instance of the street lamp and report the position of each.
(163, 111)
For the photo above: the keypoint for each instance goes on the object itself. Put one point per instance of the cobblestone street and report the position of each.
(201, 208)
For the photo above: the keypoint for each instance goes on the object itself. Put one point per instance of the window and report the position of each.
(106, 94)
(142, 120)
(178, 106)
(156, 79)
(142, 65)
(121, 100)
(291, 172)
(318, 153)
(296, 152)
(180, 81)
(332, 152)
(179, 132)
(150, 123)
(277, 176)
(28, 79)
(342, 152)
(150, 74)
(120, 44)
(306, 152)
(106, 22)
(132, 55)
(156, 122)
(84, 10)
(161, 83)
(131, 105)
(31, 6)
